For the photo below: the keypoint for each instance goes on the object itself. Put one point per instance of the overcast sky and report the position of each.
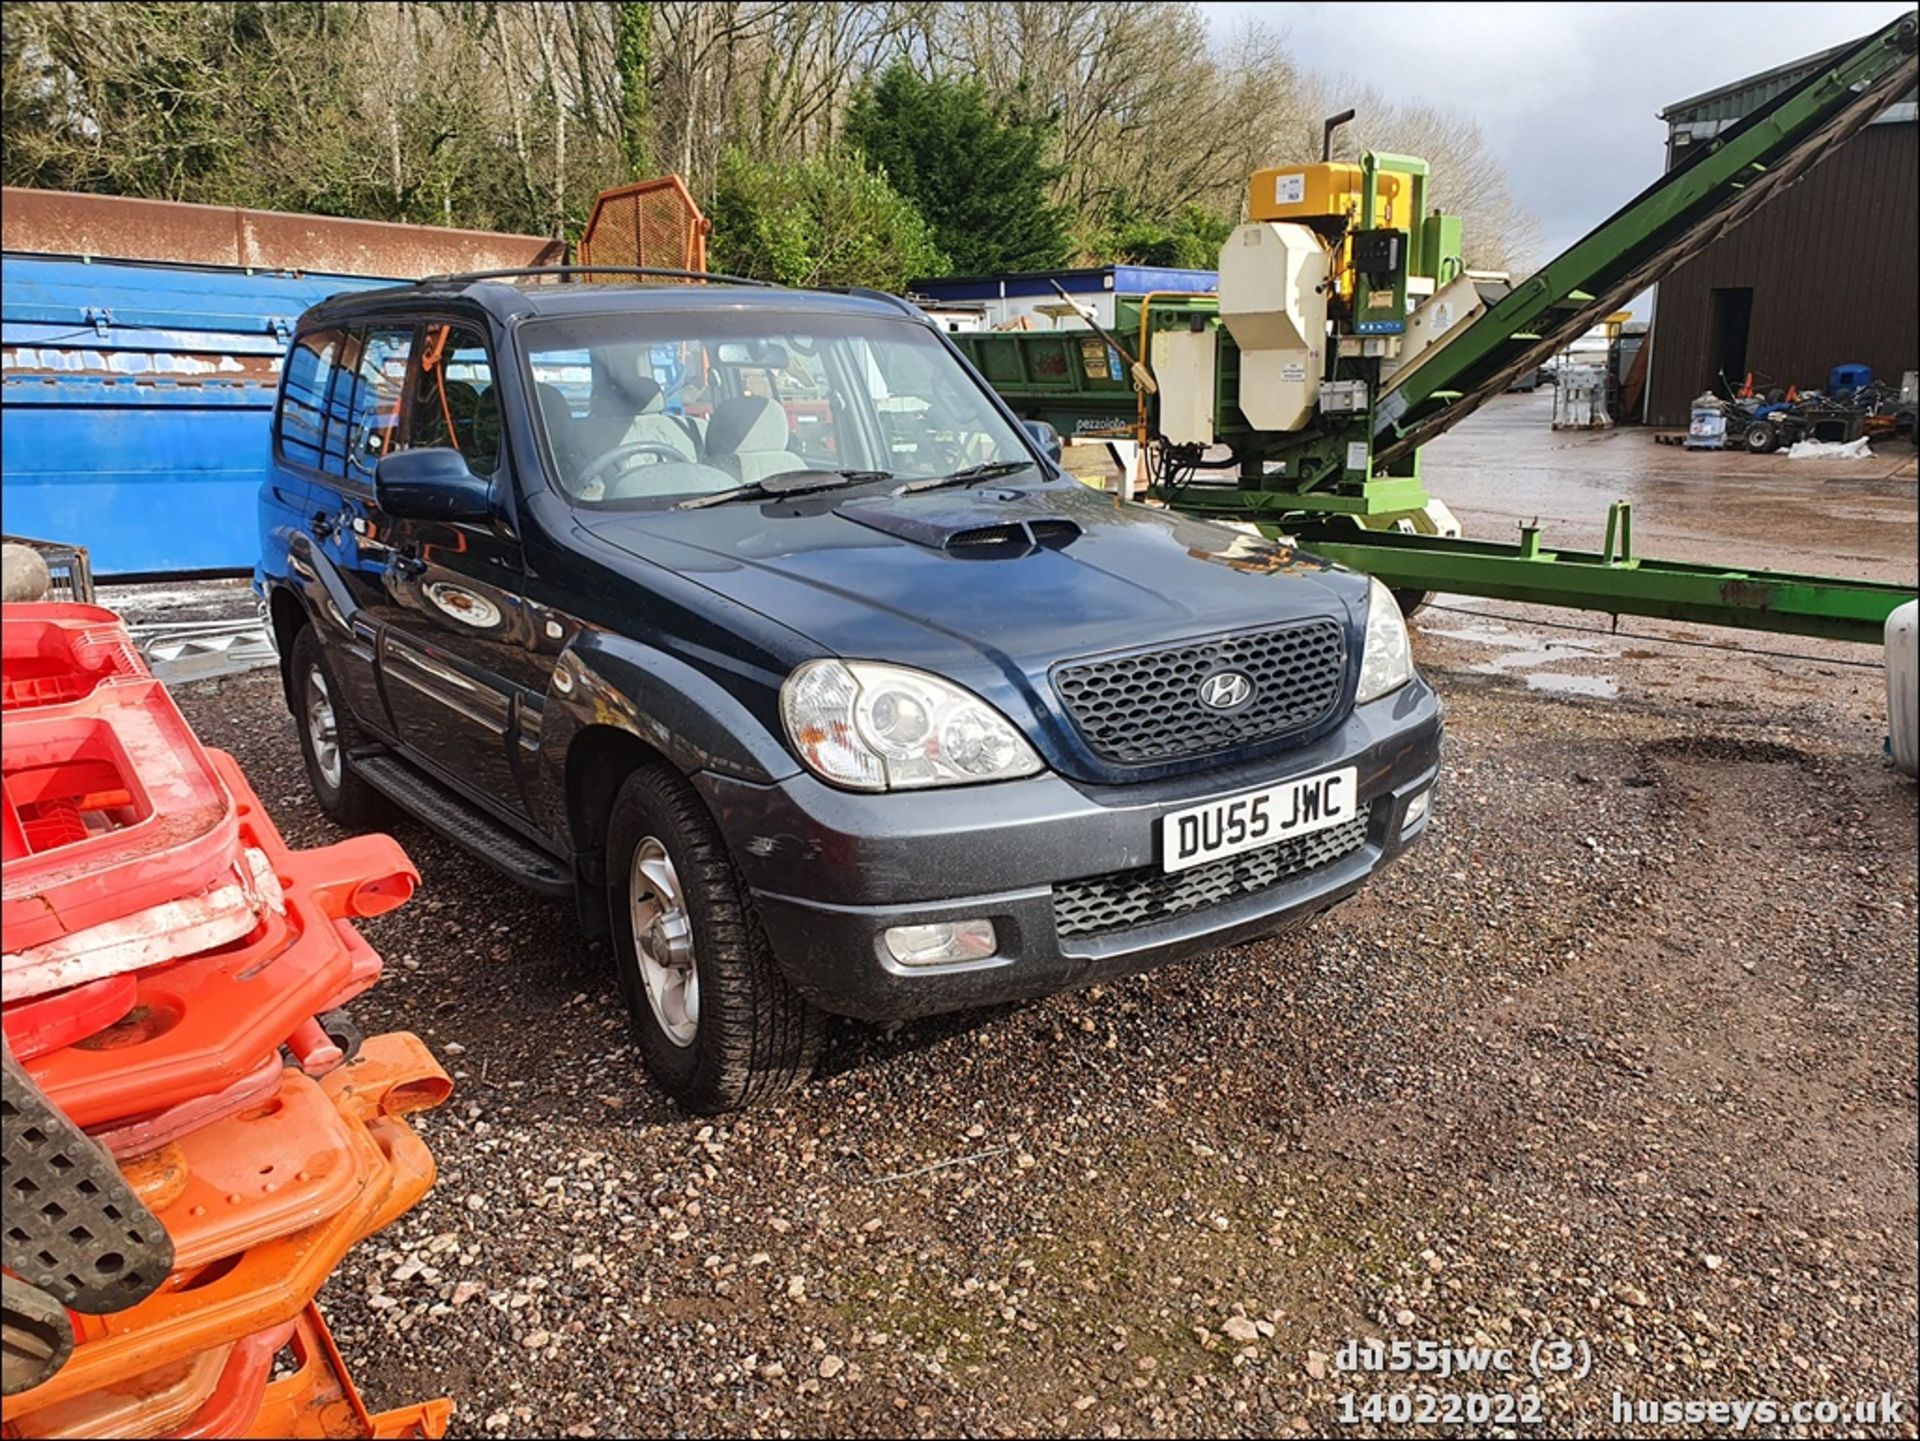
(1566, 94)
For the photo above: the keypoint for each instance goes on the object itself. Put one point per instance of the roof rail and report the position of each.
(564, 272)
(867, 292)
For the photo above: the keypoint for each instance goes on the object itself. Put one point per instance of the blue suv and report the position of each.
(754, 622)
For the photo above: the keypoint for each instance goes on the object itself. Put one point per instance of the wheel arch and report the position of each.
(288, 616)
(599, 758)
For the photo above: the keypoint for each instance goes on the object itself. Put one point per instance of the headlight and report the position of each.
(1386, 659)
(875, 727)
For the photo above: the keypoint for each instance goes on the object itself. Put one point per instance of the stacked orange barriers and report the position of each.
(195, 1133)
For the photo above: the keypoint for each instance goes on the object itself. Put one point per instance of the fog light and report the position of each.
(1417, 809)
(941, 942)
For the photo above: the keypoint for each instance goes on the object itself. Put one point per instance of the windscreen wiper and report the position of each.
(992, 470)
(792, 482)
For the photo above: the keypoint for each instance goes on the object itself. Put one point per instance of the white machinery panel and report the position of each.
(1184, 367)
(1435, 320)
(1273, 298)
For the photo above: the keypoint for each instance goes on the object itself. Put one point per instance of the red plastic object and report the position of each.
(366, 964)
(112, 807)
(56, 654)
(201, 1025)
(142, 1137)
(47, 1023)
(314, 1049)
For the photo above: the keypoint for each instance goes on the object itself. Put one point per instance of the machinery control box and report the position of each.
(1377, 254)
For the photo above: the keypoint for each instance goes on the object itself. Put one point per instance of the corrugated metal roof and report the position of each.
(1738, 98)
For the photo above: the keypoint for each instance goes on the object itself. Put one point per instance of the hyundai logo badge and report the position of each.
(1225, 690)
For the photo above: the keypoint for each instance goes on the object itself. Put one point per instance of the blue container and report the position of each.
(136, 399)
(1845, 379)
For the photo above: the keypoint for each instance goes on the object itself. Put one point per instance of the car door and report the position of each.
(363, 411)
(310, 445)
(455, 626)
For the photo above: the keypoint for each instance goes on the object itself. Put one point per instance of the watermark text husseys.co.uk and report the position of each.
(1886, 1409)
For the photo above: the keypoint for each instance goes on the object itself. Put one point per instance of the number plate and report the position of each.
(1246, 823)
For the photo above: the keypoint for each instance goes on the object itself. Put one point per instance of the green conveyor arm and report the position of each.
(1672, 219)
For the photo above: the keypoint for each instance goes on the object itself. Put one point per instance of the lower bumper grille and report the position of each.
(1121, 900)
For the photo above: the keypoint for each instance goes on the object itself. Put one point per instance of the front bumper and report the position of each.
(831, 871)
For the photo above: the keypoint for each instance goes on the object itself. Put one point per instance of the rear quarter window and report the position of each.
(302, 428)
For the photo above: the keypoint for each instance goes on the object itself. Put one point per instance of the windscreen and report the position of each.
(652, 408)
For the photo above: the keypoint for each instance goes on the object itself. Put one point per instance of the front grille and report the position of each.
(1121, 900)
(1133, 709)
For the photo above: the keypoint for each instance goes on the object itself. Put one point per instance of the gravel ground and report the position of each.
(1623, 1054)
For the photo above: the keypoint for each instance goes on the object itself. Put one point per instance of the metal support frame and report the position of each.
(1616, 581)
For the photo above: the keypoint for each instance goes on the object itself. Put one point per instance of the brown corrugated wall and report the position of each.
(1834, 265)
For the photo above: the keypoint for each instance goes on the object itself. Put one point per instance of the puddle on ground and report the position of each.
(1599, 687)
(1528, 656)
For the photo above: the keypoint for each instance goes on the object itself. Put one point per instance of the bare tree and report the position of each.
(1467, 178)
(511, 114)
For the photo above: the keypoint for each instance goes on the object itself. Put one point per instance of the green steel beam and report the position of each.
(1616, 582)
(1379, 496)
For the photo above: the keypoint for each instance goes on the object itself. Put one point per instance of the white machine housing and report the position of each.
(1273, 298)
(1185, 364)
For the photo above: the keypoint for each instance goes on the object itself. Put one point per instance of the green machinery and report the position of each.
(1346, 332)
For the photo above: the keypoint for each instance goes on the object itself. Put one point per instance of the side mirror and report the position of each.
(1046, 437)
(433, 483)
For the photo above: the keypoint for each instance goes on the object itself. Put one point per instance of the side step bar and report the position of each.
(458, 820)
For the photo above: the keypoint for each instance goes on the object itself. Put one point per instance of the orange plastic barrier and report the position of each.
(286, 1164)
(242, 1385)
(320, 1400)
(222, 1301)
(151, 1403)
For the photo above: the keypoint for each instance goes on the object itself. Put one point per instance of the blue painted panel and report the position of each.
(75, 292)
(138, 402)
(1139, 279)
(1114, 279)
(153, 487)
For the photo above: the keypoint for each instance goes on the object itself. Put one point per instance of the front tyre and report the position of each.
(718, 1024)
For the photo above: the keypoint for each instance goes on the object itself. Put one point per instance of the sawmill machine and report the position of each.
(1346, 331)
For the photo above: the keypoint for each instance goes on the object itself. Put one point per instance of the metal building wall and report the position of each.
(1832, 266)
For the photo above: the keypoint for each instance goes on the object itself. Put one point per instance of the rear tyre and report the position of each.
(1762, 438)
(718, 1025)
(328, 738)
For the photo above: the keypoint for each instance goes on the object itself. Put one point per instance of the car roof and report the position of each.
(512, 297)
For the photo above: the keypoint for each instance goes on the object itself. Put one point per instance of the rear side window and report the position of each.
(303, 395)
(374, 419)
(454, 403)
